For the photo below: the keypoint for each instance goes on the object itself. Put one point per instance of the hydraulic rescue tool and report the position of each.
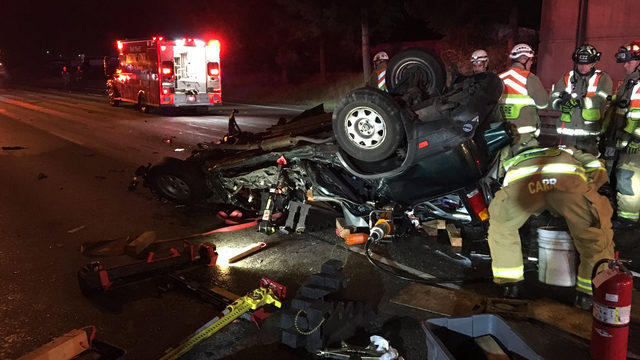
(612, 289)
(265, 224)
(269, 292)
(96, 278)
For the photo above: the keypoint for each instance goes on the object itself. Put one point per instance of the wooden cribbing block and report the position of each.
(64, 347)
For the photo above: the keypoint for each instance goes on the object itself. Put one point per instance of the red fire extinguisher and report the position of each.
(611, 310)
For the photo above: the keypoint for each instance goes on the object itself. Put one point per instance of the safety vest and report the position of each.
(515, 95)
(382, 73)
(588, 112)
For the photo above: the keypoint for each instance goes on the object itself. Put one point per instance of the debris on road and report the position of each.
(13, 148)
(250, 251)
(78, 342)
(139, 244)
(76, 229)
(100, 248)
(178, 149)
(42, 176)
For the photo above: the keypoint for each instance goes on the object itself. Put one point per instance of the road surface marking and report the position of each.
(32, 107)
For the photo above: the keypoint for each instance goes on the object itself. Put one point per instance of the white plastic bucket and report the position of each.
(556, 257)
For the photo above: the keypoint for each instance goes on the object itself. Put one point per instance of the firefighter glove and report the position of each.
(622, 139)
(564, 97)
(568, 106)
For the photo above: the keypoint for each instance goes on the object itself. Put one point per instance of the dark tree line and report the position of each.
(288, 37)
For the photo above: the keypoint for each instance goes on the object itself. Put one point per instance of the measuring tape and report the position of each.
(251, 301)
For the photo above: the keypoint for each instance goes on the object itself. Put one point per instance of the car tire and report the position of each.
(178, 181)
(142, 104)
(367, 124)
(416, 67)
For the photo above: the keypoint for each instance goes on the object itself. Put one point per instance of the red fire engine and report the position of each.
(166, 73)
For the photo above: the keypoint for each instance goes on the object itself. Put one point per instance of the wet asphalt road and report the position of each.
(64, 172)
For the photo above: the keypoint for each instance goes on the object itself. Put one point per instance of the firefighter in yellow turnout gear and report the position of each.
(564, 181)
(522, 96)
(581, 94)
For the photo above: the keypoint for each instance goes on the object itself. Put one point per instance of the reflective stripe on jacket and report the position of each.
(559, 160)
(382, 73)
(515, 95)
(633, 112)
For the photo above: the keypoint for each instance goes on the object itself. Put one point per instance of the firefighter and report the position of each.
(66, 78)
(80, 77)
(479, 61)
(565, 181)
(625, 122)
(523, 95)
(377, 78)
(581, 94)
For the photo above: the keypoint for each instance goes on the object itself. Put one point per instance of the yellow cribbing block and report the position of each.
(251, 301)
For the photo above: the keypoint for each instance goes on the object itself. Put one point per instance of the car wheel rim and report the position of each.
(365, 127)
(174, 187)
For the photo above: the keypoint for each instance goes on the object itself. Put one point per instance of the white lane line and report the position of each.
(48, 130)
(287, 108)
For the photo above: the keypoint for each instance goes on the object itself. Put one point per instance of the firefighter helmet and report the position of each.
(381, 56)
(586, 54)
(628, 52)
(479, 56)
(521, 50)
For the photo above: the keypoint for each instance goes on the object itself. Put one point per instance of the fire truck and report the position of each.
(166, 73)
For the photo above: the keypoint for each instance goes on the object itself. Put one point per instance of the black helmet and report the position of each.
(586, 54)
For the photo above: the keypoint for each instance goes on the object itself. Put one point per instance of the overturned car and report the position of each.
(419, 152)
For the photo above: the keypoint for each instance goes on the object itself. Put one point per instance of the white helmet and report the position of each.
(381, 56)
(521, 50)
(479, 56)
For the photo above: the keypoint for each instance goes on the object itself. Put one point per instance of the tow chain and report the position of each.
(295, 323)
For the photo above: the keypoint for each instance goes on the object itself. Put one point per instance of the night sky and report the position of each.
(251, 30)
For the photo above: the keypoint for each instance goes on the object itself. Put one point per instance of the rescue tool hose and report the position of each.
(434, 281)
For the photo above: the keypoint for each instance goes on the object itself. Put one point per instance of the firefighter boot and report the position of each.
(583, 301)
(513, 290)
